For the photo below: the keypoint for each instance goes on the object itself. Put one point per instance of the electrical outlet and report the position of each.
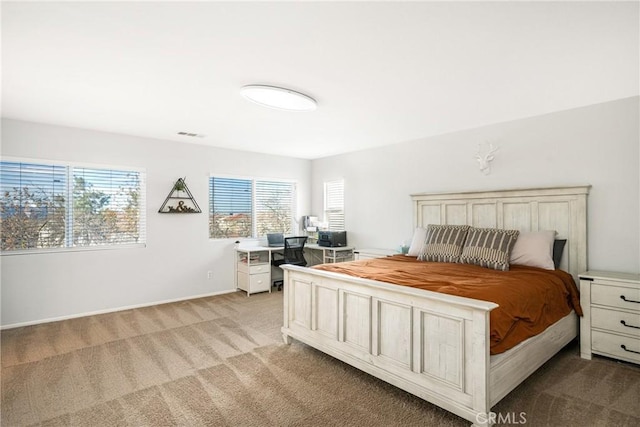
(209, 274)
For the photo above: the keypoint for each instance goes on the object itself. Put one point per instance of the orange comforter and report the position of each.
(530, 299)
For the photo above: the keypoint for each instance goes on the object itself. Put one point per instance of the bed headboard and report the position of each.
(563, 209)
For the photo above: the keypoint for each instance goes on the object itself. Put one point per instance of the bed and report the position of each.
(434, 345)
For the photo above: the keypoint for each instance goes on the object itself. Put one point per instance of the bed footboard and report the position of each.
(433, 345)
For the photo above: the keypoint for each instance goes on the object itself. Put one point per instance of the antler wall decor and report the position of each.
(485, 157)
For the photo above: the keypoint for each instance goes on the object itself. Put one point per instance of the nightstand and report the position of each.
(611, 322)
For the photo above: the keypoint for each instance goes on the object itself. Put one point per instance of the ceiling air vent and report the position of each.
(191, 134)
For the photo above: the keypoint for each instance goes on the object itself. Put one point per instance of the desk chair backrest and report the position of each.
(294, 250)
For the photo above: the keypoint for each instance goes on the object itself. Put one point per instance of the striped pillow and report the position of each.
(489, 247)
(443, 243)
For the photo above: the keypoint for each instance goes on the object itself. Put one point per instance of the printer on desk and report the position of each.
(332, 239)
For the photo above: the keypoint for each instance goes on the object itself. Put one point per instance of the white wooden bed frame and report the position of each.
(433, 345)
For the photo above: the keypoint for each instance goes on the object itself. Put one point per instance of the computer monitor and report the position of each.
(275, 239)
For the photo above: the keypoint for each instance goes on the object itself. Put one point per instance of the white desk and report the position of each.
(370, 253)
(253, 263)
(332, 255)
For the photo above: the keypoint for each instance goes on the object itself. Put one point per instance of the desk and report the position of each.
(374, 253)
(253, 263)
(332, 255)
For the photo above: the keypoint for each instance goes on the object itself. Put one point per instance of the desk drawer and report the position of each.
(254, 269)
(612, 320)
(611, 344)
(259, 282)
(615, 296)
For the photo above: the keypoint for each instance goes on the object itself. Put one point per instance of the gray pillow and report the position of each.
(443, 243)
(489, 247)
(558, 248)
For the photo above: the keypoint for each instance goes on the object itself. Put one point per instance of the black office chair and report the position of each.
(293, 254)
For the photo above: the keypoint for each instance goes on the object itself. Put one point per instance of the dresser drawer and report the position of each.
(611, 344)
(615, 296)
(612, 320)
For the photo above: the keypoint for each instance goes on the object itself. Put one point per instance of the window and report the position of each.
(106, 207)
(334, 205)
(44, 206)
(248, 207)
(230, 212)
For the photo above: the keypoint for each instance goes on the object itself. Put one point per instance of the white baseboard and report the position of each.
(111, 310)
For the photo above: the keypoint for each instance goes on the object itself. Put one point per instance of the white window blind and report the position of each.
(62, 206)
(33, 205)
(250, 207)
(230, 207)
(334, 204)
(274, 207)
(106, 207)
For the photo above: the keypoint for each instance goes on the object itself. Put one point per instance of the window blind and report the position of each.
(106, 207)
(334, 204)
(62, 206)
(230, 207)
(274, 207)
(249, 207)
(33, 205)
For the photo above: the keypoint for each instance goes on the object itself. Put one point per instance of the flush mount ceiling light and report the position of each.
(278, 97)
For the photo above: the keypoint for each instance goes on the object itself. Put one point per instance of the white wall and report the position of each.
(597, 145)
(178, 253)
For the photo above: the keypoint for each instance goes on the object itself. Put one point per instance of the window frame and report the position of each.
(68, 241)
(254, 223)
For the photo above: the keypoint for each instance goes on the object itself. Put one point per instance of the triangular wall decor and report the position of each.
(184, 201)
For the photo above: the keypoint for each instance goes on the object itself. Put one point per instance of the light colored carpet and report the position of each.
(220, 361)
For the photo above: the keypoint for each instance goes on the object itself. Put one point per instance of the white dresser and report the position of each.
(611, 323)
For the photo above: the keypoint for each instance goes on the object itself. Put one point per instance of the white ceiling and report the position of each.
(382, 73)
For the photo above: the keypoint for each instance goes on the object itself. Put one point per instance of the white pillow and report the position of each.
(534, 249)
(419, 236)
